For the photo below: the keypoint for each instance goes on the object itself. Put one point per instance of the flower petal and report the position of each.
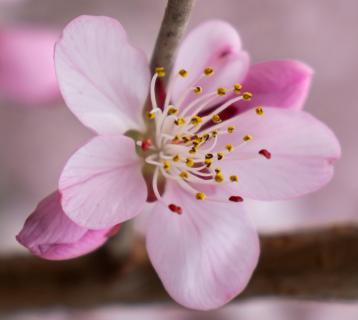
(103, 78)
(303, 151)
(280, 84)
(215, 44)
(102, 184)
(50, 234)
(23, 79)
(206, 255)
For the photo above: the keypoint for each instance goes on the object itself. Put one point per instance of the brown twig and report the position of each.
(317, 264)
(173, 26)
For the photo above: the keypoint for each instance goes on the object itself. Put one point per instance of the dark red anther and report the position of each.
(175, 208)
(265, 153)
(146, 144)
(236, 199)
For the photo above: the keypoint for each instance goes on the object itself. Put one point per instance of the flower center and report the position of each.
(186, 135)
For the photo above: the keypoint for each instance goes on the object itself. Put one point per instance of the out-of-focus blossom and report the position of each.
(49, 233)
(27, 72)
(199, 238)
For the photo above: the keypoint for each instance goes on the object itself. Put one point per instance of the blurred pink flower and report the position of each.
(27, 72)
(199, 238)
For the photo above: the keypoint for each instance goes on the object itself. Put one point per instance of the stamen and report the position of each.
(219, 177)
(221, 91)
(208, 162)
(166, 165)
(220, 155)
(195, 120)
(200, 196)
(150, 115)
(198, 90)
(146, 144)
(160, 71)
(208, 71)
(184, 175)
(216, 118)
(237, 88)
(209, 156)
(247, 137)
(236, 199)
(265, 153)
(183, 73)
(176, 158)
(247, 96)
(230, 129)
(174, 208)
(229, 147)
(180, 121)
(172, 110)
(259, 111)
(234, 178)
(189, 162)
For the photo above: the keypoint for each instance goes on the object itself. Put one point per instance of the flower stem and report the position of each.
(173, 26)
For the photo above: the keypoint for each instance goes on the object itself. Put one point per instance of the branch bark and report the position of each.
(318, 264)
(173, 26)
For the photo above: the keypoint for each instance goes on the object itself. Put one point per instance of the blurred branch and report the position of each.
(318, 264)
(173, 26)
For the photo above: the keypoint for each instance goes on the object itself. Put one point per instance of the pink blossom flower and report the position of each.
(27, 71)
(200, 160)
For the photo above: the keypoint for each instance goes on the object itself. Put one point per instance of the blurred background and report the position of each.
(38, 133)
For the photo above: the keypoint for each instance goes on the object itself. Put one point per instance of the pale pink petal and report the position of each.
(50, 234)
(215, 44)
(103, 78)
(27, 72)
(102, 183)
(280, 84)
(303, 152)
(206, 255)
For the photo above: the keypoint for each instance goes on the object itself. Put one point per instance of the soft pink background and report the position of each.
(34, 143)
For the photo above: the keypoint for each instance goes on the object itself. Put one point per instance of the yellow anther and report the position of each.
(183, 73)
(176, 158)
(216, 118)
(259, 111)
(200, 196)
(186, 138)
(172, 110)
(176, 138)
(193, 150)
(247, 137)
(184, 175)
(229, 147)
(217, 170)
(209, 156)
(247, 96)
(206, 137)
(237, 88)
(219, 177)
(214, 133)
(180, 121)
(198, 90)
(150, 115)
(160, 71)
(230, 129)
(221, 91)
(189, 162)
(166, 165)
(220, 155)
(234, 178)
(208, 162)
(195, 120)
(208, 71)
(196, 143)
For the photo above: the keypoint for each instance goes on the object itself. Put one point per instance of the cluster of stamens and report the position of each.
(185, 139)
